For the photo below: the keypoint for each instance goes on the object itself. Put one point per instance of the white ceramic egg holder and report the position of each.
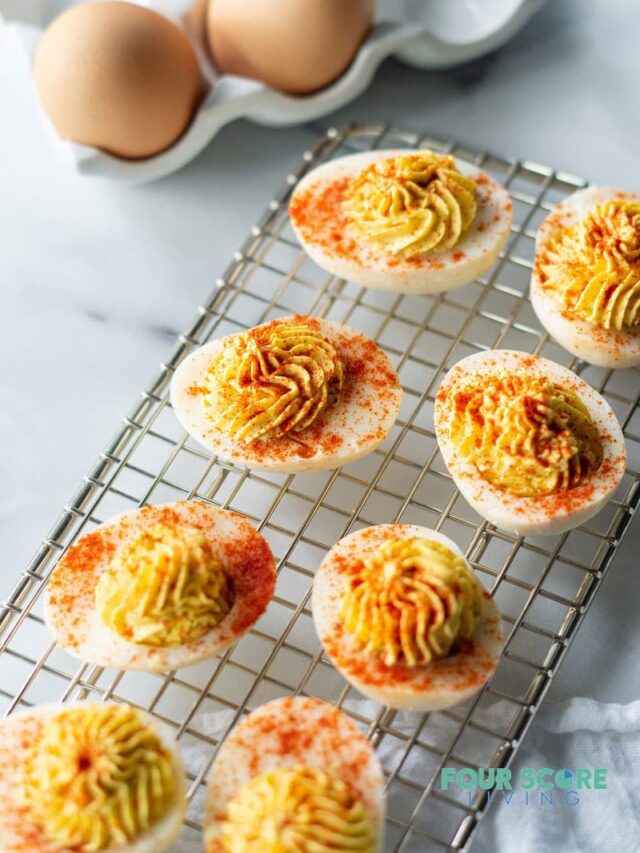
(422, 33)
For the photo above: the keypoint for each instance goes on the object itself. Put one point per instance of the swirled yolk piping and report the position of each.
(593, 267)
(409, 601)
(98, 777)
(273, 380)
(525, 435)
(165, 588)
(296, 810)
(412, 205)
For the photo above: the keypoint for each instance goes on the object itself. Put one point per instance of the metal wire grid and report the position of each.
(542, 585)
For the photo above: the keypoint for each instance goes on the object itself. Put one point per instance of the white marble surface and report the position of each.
(96, 279)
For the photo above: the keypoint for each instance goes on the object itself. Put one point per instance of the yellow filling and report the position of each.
(296, 810)
(98, 777)
(272, 381)
(412, 205)
(165, 588)
(525, 435)
(593, 267)
(410, 600)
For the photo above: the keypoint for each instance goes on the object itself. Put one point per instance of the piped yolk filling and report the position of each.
(273, 381)
(97, 777)
(412, 205)
(593, 267)
(165, 588)
(526, 435)
(409, 601)
(296, 810)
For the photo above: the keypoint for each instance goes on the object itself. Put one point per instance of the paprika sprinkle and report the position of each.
(300, 393)
(275, 768)
(404, 619)
(585, 286)
(531, 446)
(408, 221)
(160, 587)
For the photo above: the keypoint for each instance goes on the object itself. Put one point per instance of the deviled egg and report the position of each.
(296, 774)
(296, 394)
(402, 616)
(409, 221)
(532, 447)
(160, 587)
(585, 286)
(89, 777)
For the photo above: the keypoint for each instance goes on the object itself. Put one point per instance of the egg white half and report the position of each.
(316, 735)
(368, 265)
(593, 344)
(70, 608)
(546, 515)
(17, 733)
(445, 681)
(355, 425)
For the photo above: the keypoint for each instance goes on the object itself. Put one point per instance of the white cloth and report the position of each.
(580, 733)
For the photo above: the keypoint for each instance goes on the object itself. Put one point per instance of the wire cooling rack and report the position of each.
(541, 585)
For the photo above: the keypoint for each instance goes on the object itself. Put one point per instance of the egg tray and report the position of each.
(426, 35)
(542, 586)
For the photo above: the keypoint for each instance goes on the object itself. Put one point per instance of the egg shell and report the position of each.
(324, 231)
(286, 732)
(445, 681)
(18, 733)
(70, 610)
(291, 45)
(593, 344)
(354, 426)
(119, 77)
(549, 514)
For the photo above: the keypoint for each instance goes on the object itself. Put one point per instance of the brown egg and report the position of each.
(297, 46)
(119, 77)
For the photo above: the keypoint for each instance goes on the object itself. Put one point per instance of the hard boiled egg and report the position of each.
(89, 777)
(382, 645)
(119, 77)
(296, 774)
(160, 587)
(322, 215)
(585, 286)
(296, 394)
(291, 45)
(532, 447)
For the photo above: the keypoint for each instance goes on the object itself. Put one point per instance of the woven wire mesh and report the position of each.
(541, 585)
